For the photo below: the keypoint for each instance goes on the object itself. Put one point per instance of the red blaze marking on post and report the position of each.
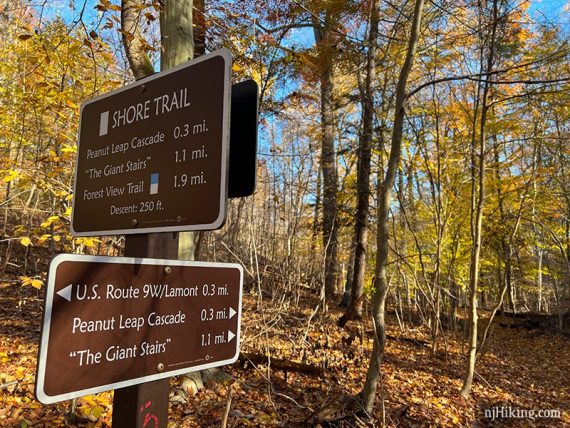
(149, 416)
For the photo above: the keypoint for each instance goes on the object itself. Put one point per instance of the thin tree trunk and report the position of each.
(354, 310)
(316, 224)
(403, 248)
(349, 277)
(506, 247)
(539, 278)
(384, 191)
(439, 228)
(478, 202)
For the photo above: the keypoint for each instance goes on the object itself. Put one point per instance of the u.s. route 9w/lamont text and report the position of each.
(146, 291)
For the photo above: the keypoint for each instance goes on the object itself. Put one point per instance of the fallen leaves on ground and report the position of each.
(520, 369)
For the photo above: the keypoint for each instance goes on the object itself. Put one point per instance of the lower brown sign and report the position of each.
(111, 322)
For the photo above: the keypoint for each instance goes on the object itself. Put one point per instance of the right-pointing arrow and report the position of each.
(232, 313)
(66, 292)
(230, 335)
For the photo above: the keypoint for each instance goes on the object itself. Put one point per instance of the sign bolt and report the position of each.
(160, 367)
(142, 88)
(134, 222)
(167, 270)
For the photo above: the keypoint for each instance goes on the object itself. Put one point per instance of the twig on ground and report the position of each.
(484, 380)
(8, 384)
(228, 407)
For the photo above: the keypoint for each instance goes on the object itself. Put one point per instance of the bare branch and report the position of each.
(556, 55)
(134, 42)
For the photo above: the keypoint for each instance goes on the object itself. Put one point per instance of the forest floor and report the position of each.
(519, 371)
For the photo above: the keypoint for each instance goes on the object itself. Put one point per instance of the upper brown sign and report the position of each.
(112, 322)
(153, 156)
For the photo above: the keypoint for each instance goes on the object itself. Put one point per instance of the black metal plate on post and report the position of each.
(243, 139)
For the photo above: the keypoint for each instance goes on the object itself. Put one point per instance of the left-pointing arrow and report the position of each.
(66, 292)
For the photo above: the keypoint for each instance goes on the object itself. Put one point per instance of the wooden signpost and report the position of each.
(153, 159)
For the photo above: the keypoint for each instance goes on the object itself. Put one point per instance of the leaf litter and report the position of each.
(521, 370)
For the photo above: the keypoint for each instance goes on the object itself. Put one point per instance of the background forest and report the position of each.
(407, 249)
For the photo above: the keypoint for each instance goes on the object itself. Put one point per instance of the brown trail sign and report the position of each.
(153, 155)
(111, 322)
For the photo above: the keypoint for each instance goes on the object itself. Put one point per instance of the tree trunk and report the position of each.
(506, 247)
(539, 278)
(316, 214)
(349, 277)
(384, 192)
(328, 155)
(176, 32)
(478, 201)
(435, 185)
(354, 310)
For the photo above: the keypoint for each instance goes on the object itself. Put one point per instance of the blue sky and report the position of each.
(555, 11)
